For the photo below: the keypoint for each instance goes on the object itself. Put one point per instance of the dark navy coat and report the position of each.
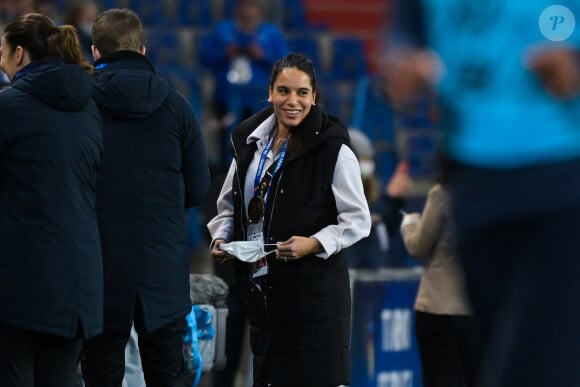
(50, 257)
(154, 166)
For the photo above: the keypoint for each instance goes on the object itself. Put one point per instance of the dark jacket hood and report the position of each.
(127, 87)
(62, 86)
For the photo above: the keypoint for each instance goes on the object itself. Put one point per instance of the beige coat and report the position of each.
(442, 287)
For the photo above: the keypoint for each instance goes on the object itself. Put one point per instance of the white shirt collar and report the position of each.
(262, 132)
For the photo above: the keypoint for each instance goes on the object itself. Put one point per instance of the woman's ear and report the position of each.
(19, 54)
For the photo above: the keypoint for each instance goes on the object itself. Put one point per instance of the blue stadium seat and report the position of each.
(337, 96)
(151, 12)
(187, 82)
(307, 44)
(348, 58)
(293, 15)
(196, 13)
(163, 46)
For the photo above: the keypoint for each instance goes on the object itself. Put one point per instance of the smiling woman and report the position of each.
(296, 160)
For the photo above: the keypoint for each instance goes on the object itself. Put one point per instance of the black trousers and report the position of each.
(448, 349)
(103, 357)
(29, 358)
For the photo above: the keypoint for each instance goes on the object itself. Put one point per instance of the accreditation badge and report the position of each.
(255, 232)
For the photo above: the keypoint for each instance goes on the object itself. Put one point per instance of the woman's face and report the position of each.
(8, 60)
(292, 97)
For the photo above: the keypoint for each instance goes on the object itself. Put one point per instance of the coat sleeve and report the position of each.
(420, 238)
(194, 163)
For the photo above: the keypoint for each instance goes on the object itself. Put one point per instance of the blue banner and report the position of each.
(384, 347)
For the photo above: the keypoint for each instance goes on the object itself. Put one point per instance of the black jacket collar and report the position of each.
(115, 59)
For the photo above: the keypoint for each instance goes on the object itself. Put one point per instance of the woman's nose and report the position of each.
(292, 98)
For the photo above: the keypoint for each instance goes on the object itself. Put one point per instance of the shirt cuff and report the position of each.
(326, 246)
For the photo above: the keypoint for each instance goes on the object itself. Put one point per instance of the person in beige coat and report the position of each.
(444, 325)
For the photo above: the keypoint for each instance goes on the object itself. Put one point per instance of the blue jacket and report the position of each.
(154, 166)
(213, 56)
(50, 258)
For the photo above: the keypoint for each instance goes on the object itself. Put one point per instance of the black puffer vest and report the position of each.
(300, 321)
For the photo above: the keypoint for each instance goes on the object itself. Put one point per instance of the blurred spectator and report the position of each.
(508, 77)
(82, 15)
(445, 329)
(385, 206)
(240, 52)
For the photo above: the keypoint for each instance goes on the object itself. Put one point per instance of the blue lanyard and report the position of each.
(258, 178)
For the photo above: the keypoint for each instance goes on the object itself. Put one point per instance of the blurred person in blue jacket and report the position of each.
(508, 78)
(241, 52)
(153, 168)
(51, 277)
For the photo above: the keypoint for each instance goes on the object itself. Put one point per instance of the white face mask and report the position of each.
(247, 251)
(367, 167)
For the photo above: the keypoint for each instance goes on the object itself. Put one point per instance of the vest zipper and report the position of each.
(267, 235)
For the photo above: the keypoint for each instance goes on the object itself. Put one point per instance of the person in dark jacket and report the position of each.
(50, 256)
(295, 189)
(377, 250)
(154, 166)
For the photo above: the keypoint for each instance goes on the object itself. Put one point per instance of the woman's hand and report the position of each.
(297, 247)
(219, 255)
